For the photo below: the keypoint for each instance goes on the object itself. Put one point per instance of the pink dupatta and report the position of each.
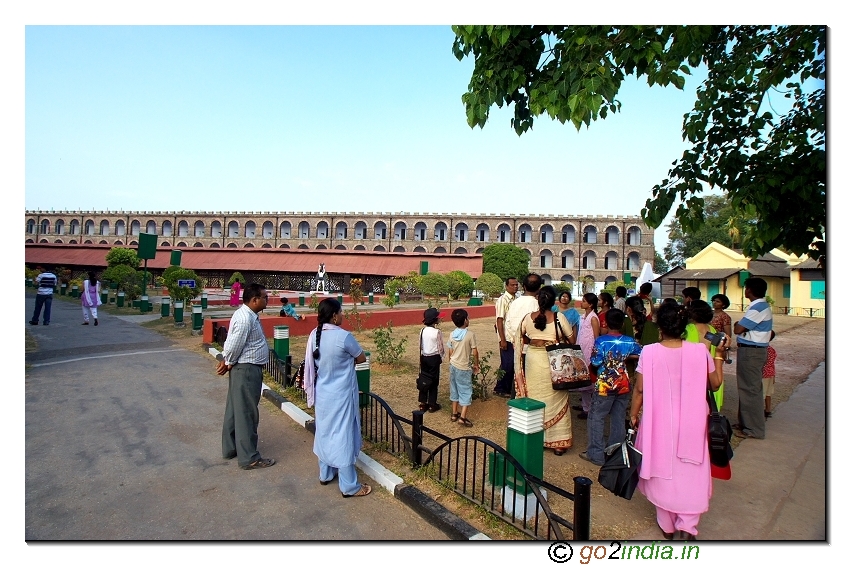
(656, 427)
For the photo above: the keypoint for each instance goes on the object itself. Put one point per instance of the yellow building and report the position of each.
(792, 283)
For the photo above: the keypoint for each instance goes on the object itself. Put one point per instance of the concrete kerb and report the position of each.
(436, 514)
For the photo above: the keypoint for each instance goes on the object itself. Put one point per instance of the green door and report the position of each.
(713, 288)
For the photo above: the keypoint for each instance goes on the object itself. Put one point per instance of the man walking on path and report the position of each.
(753, 333)
(45, 282)
(245, 354)
(504, 386)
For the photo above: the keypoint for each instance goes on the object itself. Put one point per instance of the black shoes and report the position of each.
(33, 323)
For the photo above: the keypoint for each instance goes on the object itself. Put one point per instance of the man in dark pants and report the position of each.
(245, 354)
(504, 386)
(753, 333)
(45, 282)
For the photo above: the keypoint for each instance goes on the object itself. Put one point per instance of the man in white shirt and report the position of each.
(45, 282)
(521, 306)
(506, 349)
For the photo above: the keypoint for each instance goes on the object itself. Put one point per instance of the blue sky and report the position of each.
(345, 118)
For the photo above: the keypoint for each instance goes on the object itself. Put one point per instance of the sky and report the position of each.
(259, 106)
(314, 118)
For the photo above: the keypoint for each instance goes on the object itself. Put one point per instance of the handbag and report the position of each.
(719, 434)
(619, 472)
(567, 365)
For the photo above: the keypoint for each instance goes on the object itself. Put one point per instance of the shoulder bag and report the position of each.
(719, 434)
(566, 363)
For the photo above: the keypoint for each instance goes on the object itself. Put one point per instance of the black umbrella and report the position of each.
(619, 473)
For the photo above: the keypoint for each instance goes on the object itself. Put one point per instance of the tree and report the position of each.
(123, 256)
(433, 284)
(459, 284)
(128, 279)
(661, 265)
(771, 165)
(719, 215)
(175, 273)
(505, 260)
(490, 284)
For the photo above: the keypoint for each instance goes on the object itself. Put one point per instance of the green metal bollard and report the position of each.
(281, 342)
(178, 312)
(204, 300)
(29, 282)
(104, 295)
(63, 289)
(396, 298)
(371, 298)
(75, 291)
(301, 299)
(165, 310)
(143, 305)
(363, 371)
(197, 317)
(339, 297)
(525, 444)
(121, 299)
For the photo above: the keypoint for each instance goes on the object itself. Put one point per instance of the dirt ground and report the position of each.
(800, 345)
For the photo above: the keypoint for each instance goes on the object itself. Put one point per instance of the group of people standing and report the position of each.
(46, 283)
(657, 364)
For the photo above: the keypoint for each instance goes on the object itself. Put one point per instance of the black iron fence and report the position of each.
(482, 472)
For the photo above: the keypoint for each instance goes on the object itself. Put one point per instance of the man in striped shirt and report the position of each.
(245, 354)
(753, 333)
(45, 282)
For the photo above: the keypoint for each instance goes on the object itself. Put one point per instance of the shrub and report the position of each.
(128, 279)
(490, 284)
(175, 273)
(406, 284)
(460, 284)
(433, 284)
(234, 277)
(389, 350)
(483, 381)
(388, 301)
(356, 319)
(562, 287)
(123, 256)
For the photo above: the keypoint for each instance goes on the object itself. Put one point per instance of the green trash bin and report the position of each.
(178, 312)
(165, 307)
(104, 296)
(63, 289)
(75, 291)
(121, 299)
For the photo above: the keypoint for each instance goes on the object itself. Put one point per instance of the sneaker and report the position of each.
(33, 323)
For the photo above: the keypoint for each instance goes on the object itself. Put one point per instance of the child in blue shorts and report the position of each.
(463, 362)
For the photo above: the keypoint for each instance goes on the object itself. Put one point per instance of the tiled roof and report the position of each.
(699, 274)
(265, 259)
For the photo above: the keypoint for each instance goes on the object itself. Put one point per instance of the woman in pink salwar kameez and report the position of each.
(671, 381)
(235, 291)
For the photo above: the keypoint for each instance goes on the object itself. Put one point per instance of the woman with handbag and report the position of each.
(670, 387)
(533, 370)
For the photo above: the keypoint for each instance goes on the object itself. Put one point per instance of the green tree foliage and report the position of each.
(490, 284)
(123, 256)
(405, 284)
(460, 284)
(720, 225)
(128, 279)
(234, 277)
(505, 260)
(390, 349)
(771, 165)
(562, 287)
(433, 284)
(175, 273)
(661, 265)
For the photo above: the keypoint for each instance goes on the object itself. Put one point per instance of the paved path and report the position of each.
(123, 443)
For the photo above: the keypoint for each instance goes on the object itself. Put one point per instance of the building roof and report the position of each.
(699, 274)
(265, 259)
(768, 268)
(807, 264)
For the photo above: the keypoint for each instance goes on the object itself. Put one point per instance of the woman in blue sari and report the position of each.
(331, 385)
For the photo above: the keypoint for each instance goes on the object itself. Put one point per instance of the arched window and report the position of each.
(440, 230)
(340, 247)
(633, 261)
(268, 230)
(30, 226)
(634, 236)
(420, 231)
(546, 259)
(120, 228)
(104, 227)
(214, 244)
(60, 227)
(233, 230)
(568, 234)
(166, 228)
(588, 260)
(135, 227)
(341, 231)
(440, 250)
(567, 260)
(267, 245)
(589, 235)
(525, 233)
(250, 229)
(322, 231)
(359, 248)
(151, 227)
(611, 261)
(381, 231)
(231, 245)
(45, 227)
(198, 244)
(303, 230)
(183, 228)
(461, 230)
(612, 235)
(215, 229)
(379, 248)
(503, 233)
(547, 234)
(460, 251)
(399, 249)
(285, 230)
(89, 227)
(400, 231)
(75, 228)
(419, 249)
(360, 231)
(199, 229)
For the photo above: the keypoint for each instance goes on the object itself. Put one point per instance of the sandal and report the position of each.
(464, 422)
(364, 490)
(258, 464)
(455, 417)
